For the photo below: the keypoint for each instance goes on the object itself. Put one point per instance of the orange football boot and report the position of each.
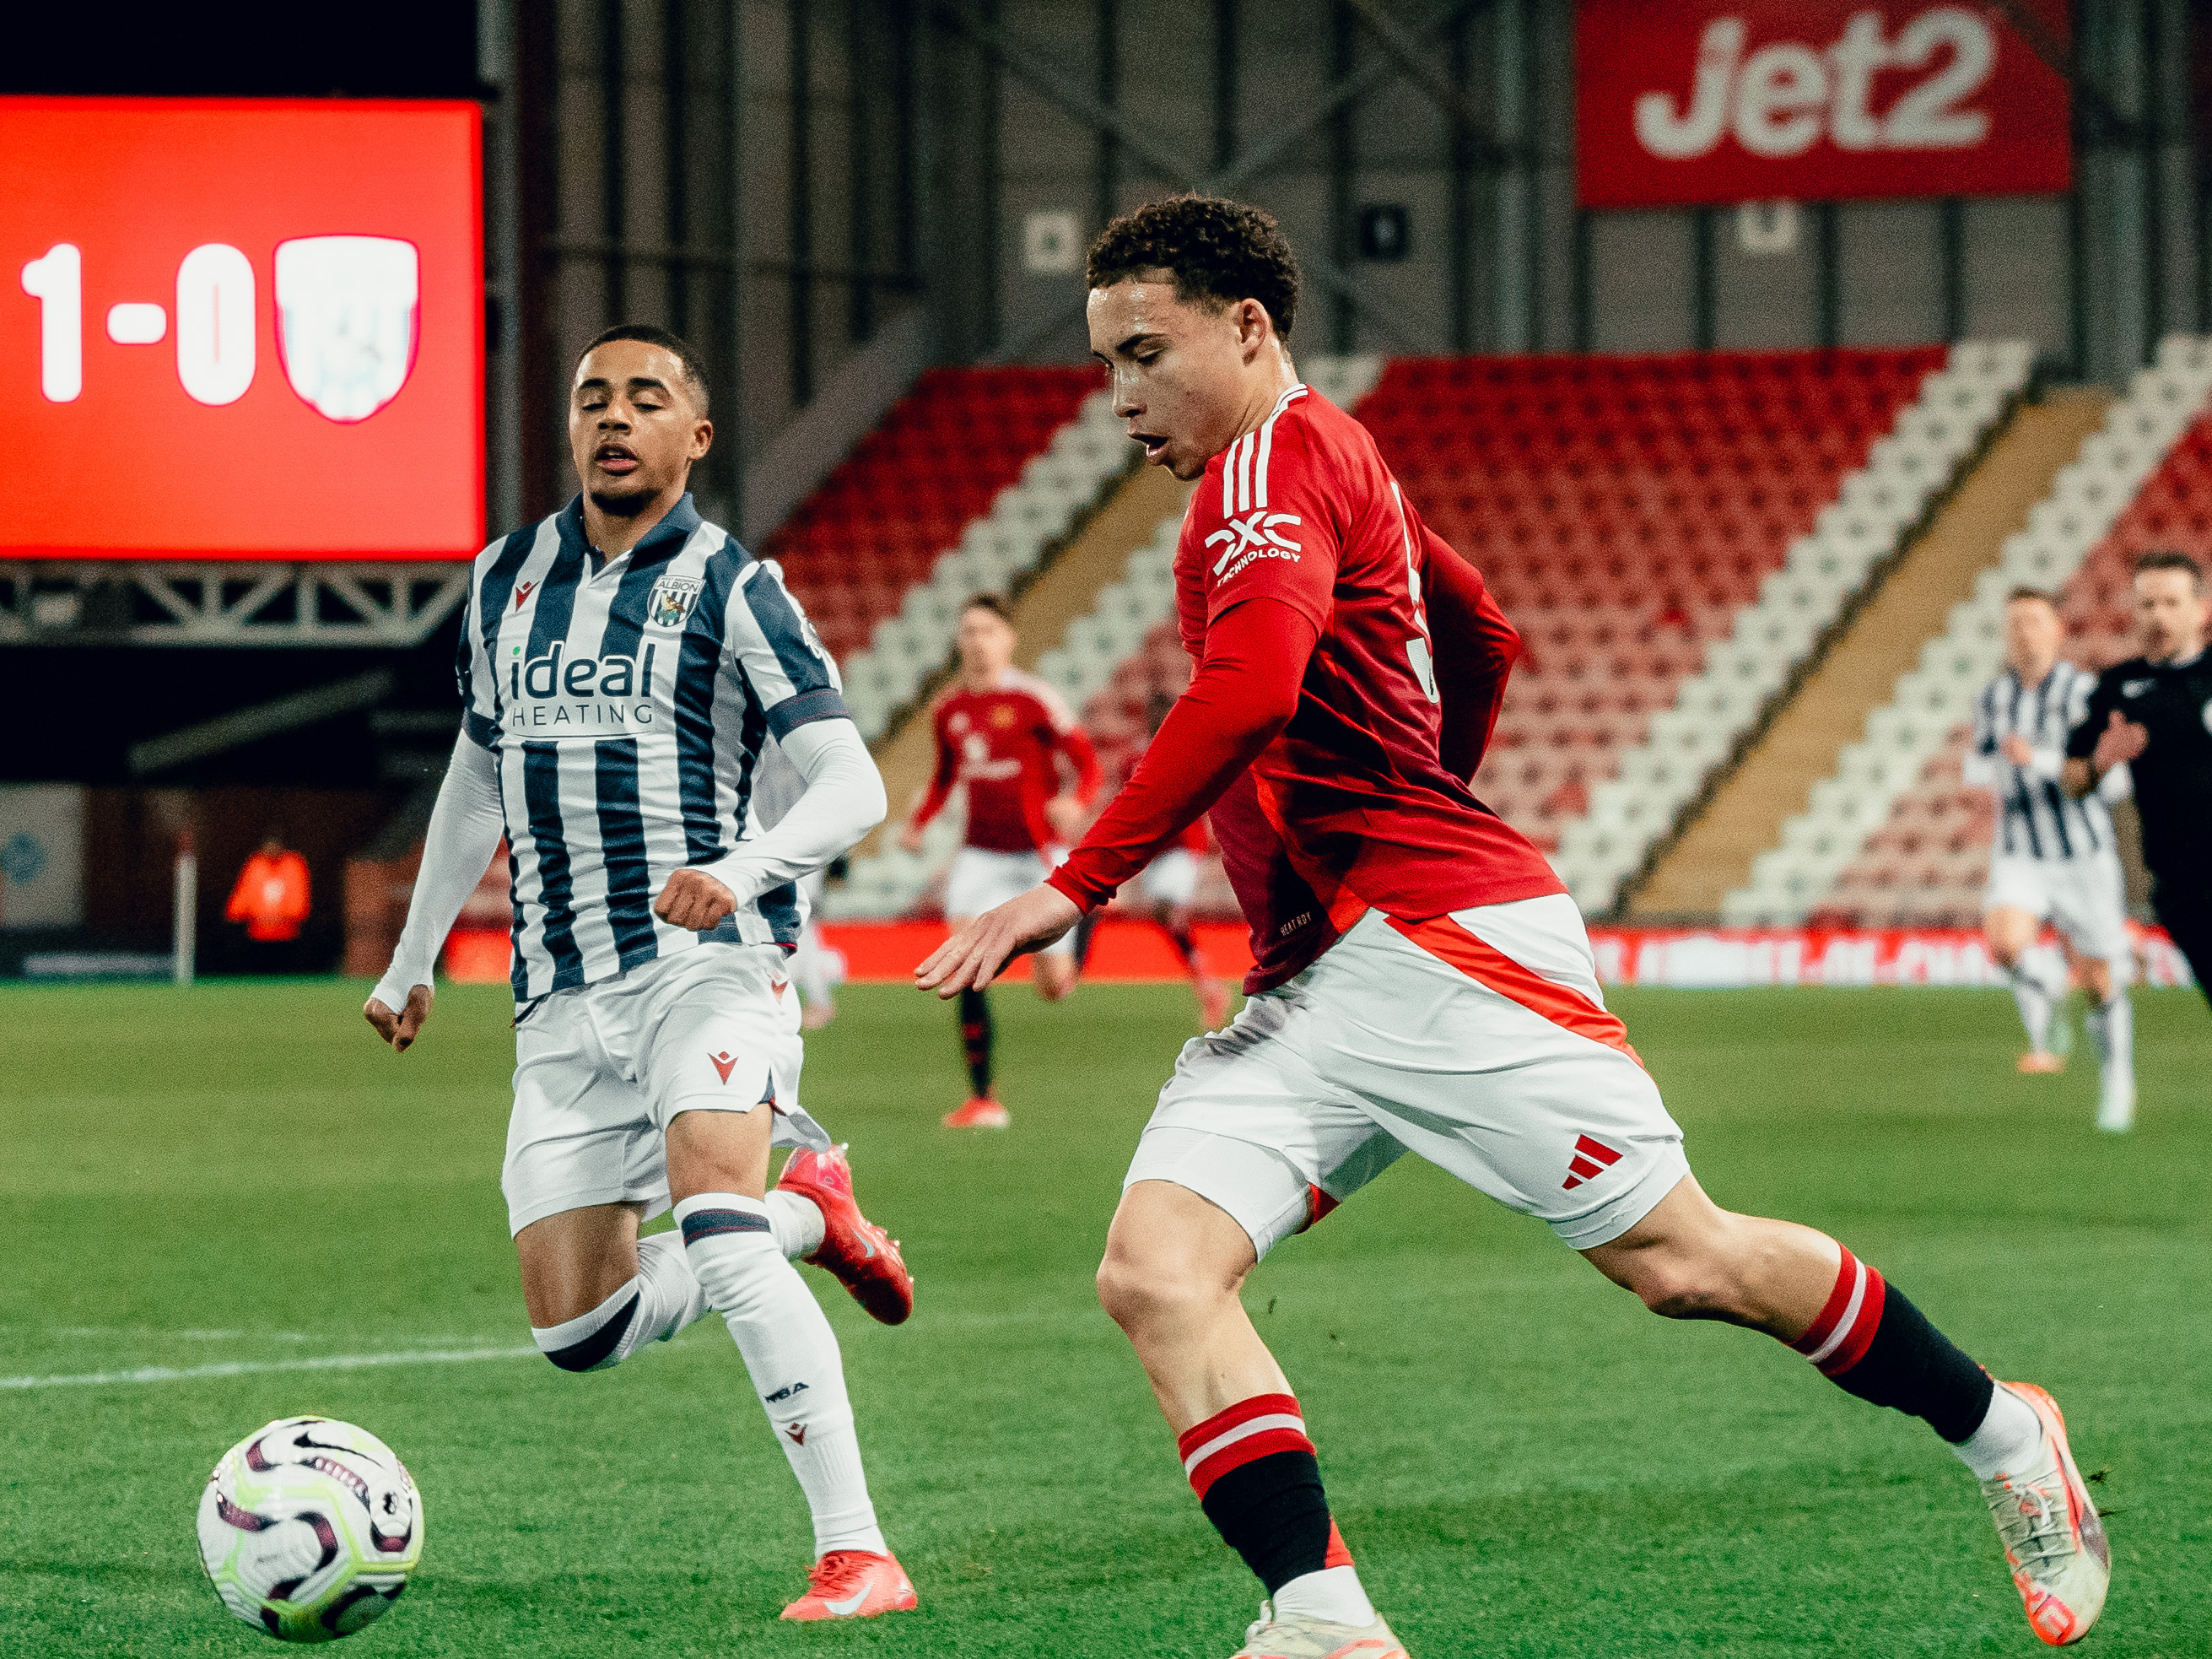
(854, 1584)
(981, 1113)
(862, 1256)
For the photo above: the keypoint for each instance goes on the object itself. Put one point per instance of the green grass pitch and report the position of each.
(1523, 1460)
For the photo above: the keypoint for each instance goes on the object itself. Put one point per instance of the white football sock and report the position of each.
(2034, 1000)
(2112, 1028)
(798, 1224)
(792, 1355)
(653, 1307)
(2008, 1441)
(1335, 1594)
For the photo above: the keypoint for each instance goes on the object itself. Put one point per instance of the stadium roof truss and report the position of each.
(101, 602)
(1405, 50)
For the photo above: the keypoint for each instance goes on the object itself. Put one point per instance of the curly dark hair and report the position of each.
(1220, 252)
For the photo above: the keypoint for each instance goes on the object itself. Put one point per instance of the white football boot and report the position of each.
(1293, 1636)
(2053, 1541)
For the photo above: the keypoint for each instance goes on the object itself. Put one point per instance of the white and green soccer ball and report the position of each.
(309, 1527)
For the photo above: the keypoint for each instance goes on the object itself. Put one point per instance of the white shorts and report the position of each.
(601, 1071)
(981, 880)
(2085, 899)
(1484, 1047)
(1170, 878)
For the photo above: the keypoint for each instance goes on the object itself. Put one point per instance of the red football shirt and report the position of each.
(1351, 806)
(1004, 745)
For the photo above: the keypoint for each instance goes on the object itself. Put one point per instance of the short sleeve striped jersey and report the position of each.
(2036, 818)
(627, 711)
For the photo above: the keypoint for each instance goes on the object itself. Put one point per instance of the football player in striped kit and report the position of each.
(2054, 858)
(626, 670)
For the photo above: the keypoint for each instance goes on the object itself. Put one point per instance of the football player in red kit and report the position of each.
(1002, 734)
(1422, 983)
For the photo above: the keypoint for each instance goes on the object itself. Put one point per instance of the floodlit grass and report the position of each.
(1524, 1462)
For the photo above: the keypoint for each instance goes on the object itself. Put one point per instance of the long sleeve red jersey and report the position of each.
(1351, 668)
(1005, 745)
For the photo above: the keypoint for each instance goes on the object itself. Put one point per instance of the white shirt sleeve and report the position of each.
(843, 800)
(466, 827)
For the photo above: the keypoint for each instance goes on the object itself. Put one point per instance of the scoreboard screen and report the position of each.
(242, 330)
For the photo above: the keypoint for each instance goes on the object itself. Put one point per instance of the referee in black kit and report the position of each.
(2155, 712)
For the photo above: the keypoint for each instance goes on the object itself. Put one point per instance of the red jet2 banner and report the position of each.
(236, 330)
(1682, 102)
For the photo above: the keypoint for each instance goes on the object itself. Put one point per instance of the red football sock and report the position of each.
(1259, 1482)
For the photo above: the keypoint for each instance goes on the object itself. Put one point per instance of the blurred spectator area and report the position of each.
(127, 881)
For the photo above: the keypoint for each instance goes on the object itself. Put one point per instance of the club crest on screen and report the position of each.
(346, 313)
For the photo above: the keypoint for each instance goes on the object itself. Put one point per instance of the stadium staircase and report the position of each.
(1888, 833)
(1785, 496)
(1741, 815)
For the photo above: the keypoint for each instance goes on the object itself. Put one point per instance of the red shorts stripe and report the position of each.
(1237, 1453)
(1318, 1204)
(1445, 939)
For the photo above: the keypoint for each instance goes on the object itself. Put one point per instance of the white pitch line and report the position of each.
(338, 1362)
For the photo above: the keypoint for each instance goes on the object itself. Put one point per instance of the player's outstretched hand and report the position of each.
(972, 957)
(2122, 740)
(400, 1030)
(693, 901)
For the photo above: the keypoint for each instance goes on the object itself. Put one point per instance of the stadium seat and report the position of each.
(883, 552)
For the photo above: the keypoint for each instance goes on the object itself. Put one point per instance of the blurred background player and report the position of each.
(2055, 858)
(656, 1050)
(1169, 884)
(1004, 736)
(2152, 714)
(818, 967)
(1167, 888)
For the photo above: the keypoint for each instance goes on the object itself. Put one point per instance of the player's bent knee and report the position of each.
(1151, 1290)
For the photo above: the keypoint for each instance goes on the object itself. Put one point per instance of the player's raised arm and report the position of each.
(932, 799)
(466, 827)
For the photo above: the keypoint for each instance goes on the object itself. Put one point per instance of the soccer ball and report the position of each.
(308, 1529)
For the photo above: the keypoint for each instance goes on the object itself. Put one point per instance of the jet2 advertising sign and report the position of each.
(1699, 102)
(235, 329)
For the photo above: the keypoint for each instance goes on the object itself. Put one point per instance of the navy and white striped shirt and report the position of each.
(2036, 818)
(627, 712)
